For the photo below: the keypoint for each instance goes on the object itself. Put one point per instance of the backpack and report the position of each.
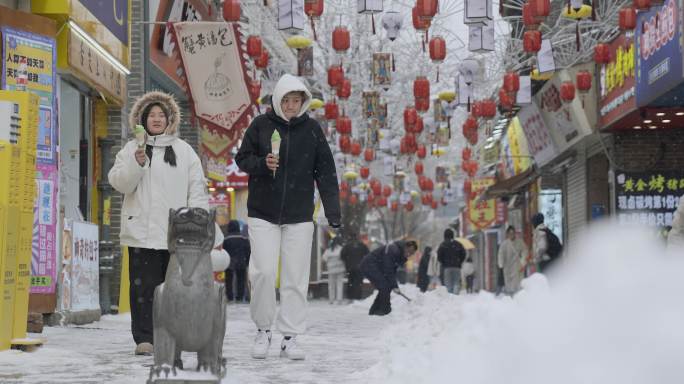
(554, 246)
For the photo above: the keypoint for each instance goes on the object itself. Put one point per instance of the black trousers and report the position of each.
(354, 282)
(381, 306)
(240, 278)
(147, 269)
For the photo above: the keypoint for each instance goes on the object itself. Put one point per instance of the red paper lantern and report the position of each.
(422, 104)
(261, 62)
(364, 172)
(421, 152)
(335, 75)
(467, 188)
(410, 117)
(429, 184)
(355, 148)
(387, 191)
(344, 90)
(332, 111)
(344, 194)
(511, 82)
(409, 206)
(434, 204)
(403, 146)
(369, 201)
(419, 23)
(340, 39)
(418, 128)
(642, 5)
(231, 10)
(567, 91)
(382, 201)
(394, 206)
(541, 8)
(375, 186)
(628, 18)
(532, 41)
(369, 154)
(344, 143)
(344, 186)
(488, 109)
(602, 53)
(427, 9)
(353, 199)
(476, 109)
(410, 138)
(343, 125)
(418, 168)
(466, 154)
(583, 80)
(254, 46)
(505, 100)
(254, 89)
(426, 198)
(530, 21)
(437, 49)
(421, 87)
(313, 8)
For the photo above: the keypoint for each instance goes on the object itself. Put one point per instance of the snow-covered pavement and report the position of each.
(340, 340)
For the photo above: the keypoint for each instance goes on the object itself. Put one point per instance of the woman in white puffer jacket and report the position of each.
(156, 175)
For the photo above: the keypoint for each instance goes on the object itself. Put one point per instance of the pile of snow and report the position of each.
(612, 313)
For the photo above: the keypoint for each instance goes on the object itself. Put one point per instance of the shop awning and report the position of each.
(512, 184)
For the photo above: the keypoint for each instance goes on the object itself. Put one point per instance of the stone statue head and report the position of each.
(191, 238)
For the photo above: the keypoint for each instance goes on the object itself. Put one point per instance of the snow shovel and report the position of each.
(400, 293)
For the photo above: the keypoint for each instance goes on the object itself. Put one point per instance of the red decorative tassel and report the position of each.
(577, 36)
(313, 28)
(373, 22)
(468, 103)
(423, 46)
(593, 10)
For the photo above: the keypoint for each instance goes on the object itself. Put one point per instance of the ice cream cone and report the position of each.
(275, 146)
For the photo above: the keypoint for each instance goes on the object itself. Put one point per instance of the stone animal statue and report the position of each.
(189, 307)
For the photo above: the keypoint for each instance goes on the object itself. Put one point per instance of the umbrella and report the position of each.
(467, 244)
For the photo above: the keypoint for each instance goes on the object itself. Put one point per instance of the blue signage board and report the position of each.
(659, 51)
(113, 14)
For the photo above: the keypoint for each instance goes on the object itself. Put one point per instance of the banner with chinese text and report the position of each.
(648, 198)
(44, 251)
(484, 213)
(215, 78)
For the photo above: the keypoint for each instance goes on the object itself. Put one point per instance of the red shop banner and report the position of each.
(618, 91)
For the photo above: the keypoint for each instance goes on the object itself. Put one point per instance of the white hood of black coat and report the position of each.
(285, 85)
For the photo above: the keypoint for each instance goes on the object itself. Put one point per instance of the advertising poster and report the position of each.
(382, 69)
(85, 270)
(305, 61)
(618, 94)
(44, 252)
(483, 213)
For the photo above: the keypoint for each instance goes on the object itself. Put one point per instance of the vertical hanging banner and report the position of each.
(382, 69)
(371, 100)
(216, 80)
(305, 61)
(291, 15)
(85, 270)
(483, 213)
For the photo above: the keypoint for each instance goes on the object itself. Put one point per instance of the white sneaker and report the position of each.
(290, 349)
(261, 343)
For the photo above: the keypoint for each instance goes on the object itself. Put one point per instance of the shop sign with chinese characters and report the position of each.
(648, 198)
(95, 67)
(617, 82)
(484, 213)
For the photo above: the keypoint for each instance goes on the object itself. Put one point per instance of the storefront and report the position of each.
(92, 66)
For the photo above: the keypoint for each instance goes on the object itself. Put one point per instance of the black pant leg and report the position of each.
(241, 281)
(354, 284)
(147, 269)
(229, 284)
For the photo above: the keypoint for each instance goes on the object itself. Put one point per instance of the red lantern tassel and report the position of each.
(438, 73)
(468, 103)
(593, 10)
(577, 36)
(423, 42)
(373, 22)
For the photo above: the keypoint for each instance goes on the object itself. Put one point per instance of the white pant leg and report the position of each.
(295, 263)
(264, 239)
(331, 287)
(339, 283)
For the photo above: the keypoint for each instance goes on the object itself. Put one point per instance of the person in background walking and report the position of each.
(468, 273)
(451, 254)
(423, 278)
(352, 253)
(336, 271)
(511, 258)
(156, 172)
(380, 267)
(239, 250)
(434, 271)
(546, 246)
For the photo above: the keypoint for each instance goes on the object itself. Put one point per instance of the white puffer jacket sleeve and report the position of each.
(126, 172)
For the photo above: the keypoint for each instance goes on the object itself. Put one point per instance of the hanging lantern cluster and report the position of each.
(532, 41)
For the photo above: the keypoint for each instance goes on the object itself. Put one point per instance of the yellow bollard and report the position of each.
(125, 285)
